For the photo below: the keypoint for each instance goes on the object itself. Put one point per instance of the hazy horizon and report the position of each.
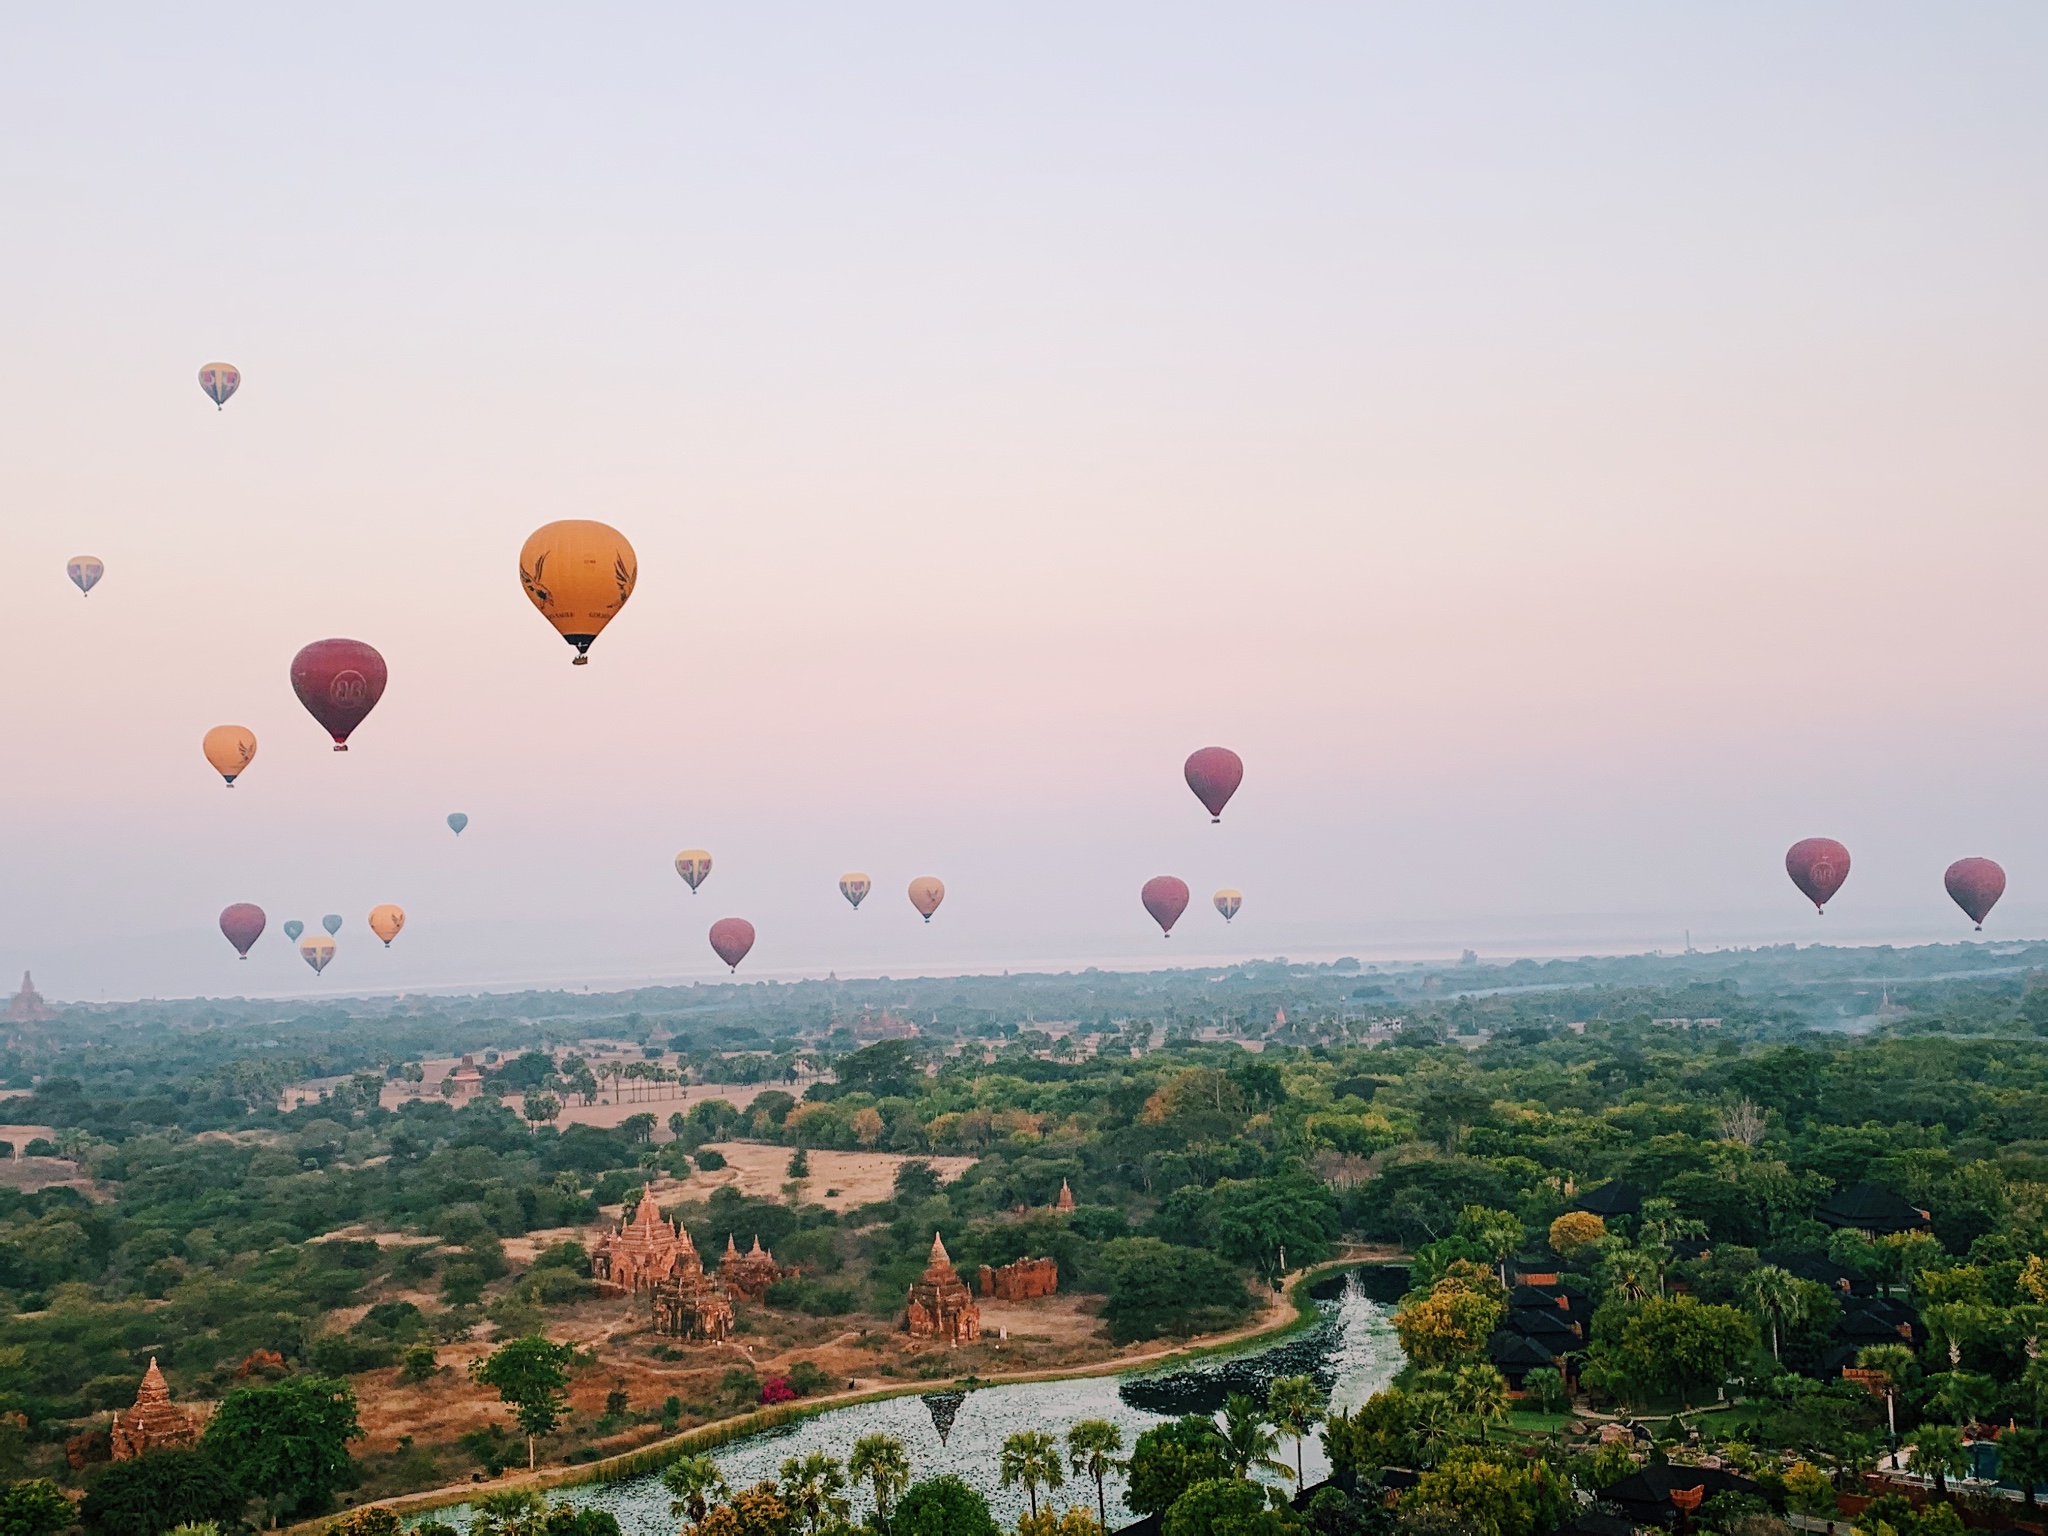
(1570, 456)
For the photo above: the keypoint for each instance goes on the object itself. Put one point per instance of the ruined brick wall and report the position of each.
(1025, 1280)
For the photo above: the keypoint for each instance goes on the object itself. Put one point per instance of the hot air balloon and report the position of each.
(731, 938)
(316, 949)
(85, 571)
(1165, 897)
(1818, 866)
(293, 928)
(694, 865)
(385, 921)
(579, 575)
(220, 380)
(331, 922)
(1227, 902)
(855, 887)
(1975, 885)
(1214, 774)
(339, 682)
(456, 822)
(926, 892)
(243, 925)
(230, 748)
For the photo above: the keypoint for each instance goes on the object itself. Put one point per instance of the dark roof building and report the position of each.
(1821, 1271)
(1617, 1197)
(1872, 1208)
(1654, 1495)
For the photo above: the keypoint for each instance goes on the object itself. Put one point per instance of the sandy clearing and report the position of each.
(859, 1178)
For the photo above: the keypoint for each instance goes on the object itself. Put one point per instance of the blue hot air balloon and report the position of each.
(331, 922)
(293, 929)
(456, 822)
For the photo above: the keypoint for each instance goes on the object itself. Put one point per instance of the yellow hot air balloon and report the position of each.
(579, 575)
(1227, 902)
(926, 892)
(855, 887)
(694, 865)
(230, 748)
(385, 921)
(316, 949)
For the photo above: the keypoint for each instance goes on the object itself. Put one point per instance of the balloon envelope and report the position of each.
(86, 571)
(694, 865)
(293, 928)
(1227, 902)
(220, 380)
(1818, 866)
(855, 887)
(926, 892)
(1165, 897)
(579, 575)
(316, 949)
(1214, 774)
(243, 925)
(731, 938)
(331, 922)
(456, 822)
(1975, 885)
(230, 748)
(339, 682)
(385, 921)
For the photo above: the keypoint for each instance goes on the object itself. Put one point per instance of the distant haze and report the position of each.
(1571, 453)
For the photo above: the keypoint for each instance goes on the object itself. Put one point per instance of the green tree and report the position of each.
(1899, 1367)
(942, 1506)
(1682, 1345)
(531, 1376)
(1939, 1452)
(1963, 1397)
(158, 1492)
(1377, 1434)
(1248, 1438)
(1157, 1287)
(755, 1511)
(288, 1443)
(1492, 1498)
(1481, 1392)
(1168, 1459)
(1032, 1457)
(812, 1486)
(2023, 1460)
(1810, 1491)
(1092, 1445)
(1546, 1388)
(418, 1364)
(881, 1462)
(542, 1108)
(694, 1484)
(37, 1507)
(1263, 1224)
(1773, 1294)
(1498, 1234)
(1296, 1404)
(1229, 1507)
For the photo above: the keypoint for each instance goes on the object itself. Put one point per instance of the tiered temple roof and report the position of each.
(154, 1423)
(940, 1305)
(639, 1255)
(688, 1303)
(1066, 1199)
(748, 1275)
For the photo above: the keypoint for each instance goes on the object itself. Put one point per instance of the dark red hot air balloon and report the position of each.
(339, 682)
(1975, 885)
(731, 938)
(1818, 866)
(1214, 774)
(243, 924)
(1165, 897)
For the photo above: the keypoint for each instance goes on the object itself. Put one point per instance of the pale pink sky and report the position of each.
(1570, 453)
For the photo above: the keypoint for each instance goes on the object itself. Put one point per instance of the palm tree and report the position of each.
(1296, 1405)
(696, 1483)
(1773, 1295)
(1435, 1425)
(1092, 1445)
(1897, 1364)
(811, 1486)
(1031, 1457)
(1248, 1440)
(1939, 1452)
(881, 1462)
(1480, 1391)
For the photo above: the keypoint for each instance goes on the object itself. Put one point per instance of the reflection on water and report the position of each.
(1350, 1351)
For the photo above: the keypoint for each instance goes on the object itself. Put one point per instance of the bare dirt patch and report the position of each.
(839, 1181)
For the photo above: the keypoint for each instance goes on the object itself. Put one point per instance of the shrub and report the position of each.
(419, 1363)
(153, 1493)
(710, 1160)
(776, 1389)
(942, 1506)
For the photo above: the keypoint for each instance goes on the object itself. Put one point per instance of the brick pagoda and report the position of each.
(639, 1255)
(940, 1306)
(689, 1304)
(154, 1423)
(747, 1276)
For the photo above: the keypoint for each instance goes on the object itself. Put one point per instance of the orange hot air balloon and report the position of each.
(731, 938)
(230, 748)
(1227, 902)
(579, 575)
(316, 949)
(855, 887)
(926, 892)
(385, 921)
(694, 865)
(220, 380)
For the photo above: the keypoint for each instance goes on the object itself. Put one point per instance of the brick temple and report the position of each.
(689, 1304)
(639, 1255)
(154, 1423)
(1065, 1202)
(747, 1276)
(1025, 1280)
(940, 1305)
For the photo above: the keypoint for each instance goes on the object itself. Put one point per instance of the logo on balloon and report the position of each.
(348, 690)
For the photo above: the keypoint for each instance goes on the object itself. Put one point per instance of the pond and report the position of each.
(1350, 1350)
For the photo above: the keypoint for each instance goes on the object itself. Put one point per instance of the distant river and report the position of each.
(1351, 1351)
